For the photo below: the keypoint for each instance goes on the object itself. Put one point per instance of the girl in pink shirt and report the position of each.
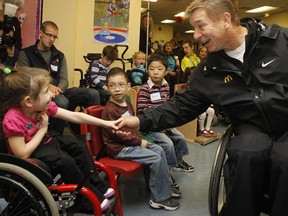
(25, 108)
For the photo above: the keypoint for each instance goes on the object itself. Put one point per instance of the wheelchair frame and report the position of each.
(26, 189)
(217, 182)
(217, 178)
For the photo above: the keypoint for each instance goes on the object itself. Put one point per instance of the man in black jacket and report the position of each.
(246, 76)
(44, 55)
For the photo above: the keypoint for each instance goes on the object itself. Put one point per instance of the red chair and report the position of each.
(94, 141)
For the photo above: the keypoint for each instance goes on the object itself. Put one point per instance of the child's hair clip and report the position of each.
(7, 71)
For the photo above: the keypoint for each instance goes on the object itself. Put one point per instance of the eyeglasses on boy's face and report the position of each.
(114, 86)
(50, 35)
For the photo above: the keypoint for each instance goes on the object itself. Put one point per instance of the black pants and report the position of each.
(257, 164)
(70, 99)
(70, 157)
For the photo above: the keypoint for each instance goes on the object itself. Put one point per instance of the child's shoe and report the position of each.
(109, 193)
(168, 204)
(176, 193)
(105, 204)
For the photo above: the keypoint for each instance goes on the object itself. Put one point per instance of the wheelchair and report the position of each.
(219, 181)
(28, 189)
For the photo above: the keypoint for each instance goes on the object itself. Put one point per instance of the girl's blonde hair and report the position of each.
(135, 55)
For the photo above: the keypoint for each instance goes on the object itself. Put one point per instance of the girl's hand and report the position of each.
(43, 119)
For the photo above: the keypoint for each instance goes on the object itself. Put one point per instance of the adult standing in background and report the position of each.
(173, 67)
(190, 60)
(10, 29)
(43, 54)
(251, 86)
(145, 31)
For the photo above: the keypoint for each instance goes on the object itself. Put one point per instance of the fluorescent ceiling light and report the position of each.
(189, 31)
(150, 0)
(181, 14)
(262, 9)
(167, 21)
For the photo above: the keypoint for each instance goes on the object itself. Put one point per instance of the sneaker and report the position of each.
(176, 193)
(110, 209)
(105, 205)
(205, 133)
(183, 167)
(174, 184)
(168, 204)
(109, 193)
(211, 132)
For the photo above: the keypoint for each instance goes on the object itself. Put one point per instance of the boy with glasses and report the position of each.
(132, 147)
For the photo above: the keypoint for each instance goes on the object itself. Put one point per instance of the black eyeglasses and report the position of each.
(50, 35)
(113, 86)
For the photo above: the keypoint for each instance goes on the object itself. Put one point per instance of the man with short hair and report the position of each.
(43, 54)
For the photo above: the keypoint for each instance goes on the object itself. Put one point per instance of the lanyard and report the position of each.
(193, 62)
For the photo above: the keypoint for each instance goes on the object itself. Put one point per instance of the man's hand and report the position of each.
(130, 122)
(145, 144)
(55, 90)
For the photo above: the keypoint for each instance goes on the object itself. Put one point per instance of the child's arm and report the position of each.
(83, 118)
(25, 150)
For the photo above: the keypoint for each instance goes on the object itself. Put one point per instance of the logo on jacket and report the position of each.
(227, 78)
(267, 63)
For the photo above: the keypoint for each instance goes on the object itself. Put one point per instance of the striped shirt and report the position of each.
(151, 95)
(98, 74)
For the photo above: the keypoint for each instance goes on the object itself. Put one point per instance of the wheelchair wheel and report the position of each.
(22, 193)
(216, 188)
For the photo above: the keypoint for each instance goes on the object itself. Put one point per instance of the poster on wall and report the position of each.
(111, 21)
(30, 19)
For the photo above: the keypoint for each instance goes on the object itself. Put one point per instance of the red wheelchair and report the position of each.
(28, 189)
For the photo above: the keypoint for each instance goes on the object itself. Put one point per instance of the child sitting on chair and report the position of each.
(152, 94)
(138, 74)
(26, 106)
(99, 70)
(132, 147)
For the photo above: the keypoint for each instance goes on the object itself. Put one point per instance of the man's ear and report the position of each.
(226, 20)
(27, 102)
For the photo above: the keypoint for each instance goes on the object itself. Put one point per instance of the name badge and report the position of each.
(126, 114)
(54, 67)
(155, 96)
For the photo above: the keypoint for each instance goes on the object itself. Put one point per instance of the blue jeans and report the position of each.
(173, 143)
(154, 157)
